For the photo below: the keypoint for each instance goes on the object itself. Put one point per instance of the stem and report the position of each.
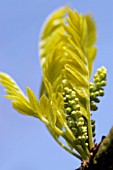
(89, 126)
(68, 150)
(78, 148)
(85, 149)
(61, 144)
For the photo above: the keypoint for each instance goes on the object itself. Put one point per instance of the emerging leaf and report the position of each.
(67, 53)
(15, 94)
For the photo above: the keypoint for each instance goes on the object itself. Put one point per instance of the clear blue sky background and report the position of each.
(25, 144)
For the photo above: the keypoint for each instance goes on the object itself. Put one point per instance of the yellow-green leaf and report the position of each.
(15, 94)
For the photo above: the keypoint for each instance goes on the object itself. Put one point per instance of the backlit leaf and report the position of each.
(15, 94)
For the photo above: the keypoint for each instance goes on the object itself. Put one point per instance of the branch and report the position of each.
(103, 158)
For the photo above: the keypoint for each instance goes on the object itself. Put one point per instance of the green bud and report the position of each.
(83, 137)
(77, 107)
(70, 91)
(95, 76)
(103, 68)
(79, 137)
(80, 123)
(92, 95)
(76, 114)
(64, 82)
(101, 92)
(79, 113)
(76, 100)
(66, 90)
(85, 134)
(96, 100)
(93, 128)
(96, 80)
(96, 93)
(84, 129)
(73, 96)
(68, 110)
(68, 96)
(99, 71)
(71, 102)
(73, 93)
(86, 144)
(93, 106)
(103, 83)
(81, 119)
(63, 94)
(65, 99)
(73, 114)
(94, 134)
(86, 137)
(97, 85)
(102, 76)
(92, 122)
(91, 88)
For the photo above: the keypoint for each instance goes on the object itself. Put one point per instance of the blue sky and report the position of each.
(24, 141)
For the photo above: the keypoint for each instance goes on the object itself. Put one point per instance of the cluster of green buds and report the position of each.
(96, 91)
(74, 117)
(96, 88)
(93, 127)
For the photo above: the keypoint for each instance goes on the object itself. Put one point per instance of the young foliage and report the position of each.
(67, 52)
(15, 94)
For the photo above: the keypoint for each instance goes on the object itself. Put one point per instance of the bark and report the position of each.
(101, 155)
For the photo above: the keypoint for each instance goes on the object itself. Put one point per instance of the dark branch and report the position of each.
(103, 158)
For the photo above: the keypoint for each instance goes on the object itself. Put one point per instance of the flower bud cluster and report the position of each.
(75, 120)
(96, 88)
(93, 127)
